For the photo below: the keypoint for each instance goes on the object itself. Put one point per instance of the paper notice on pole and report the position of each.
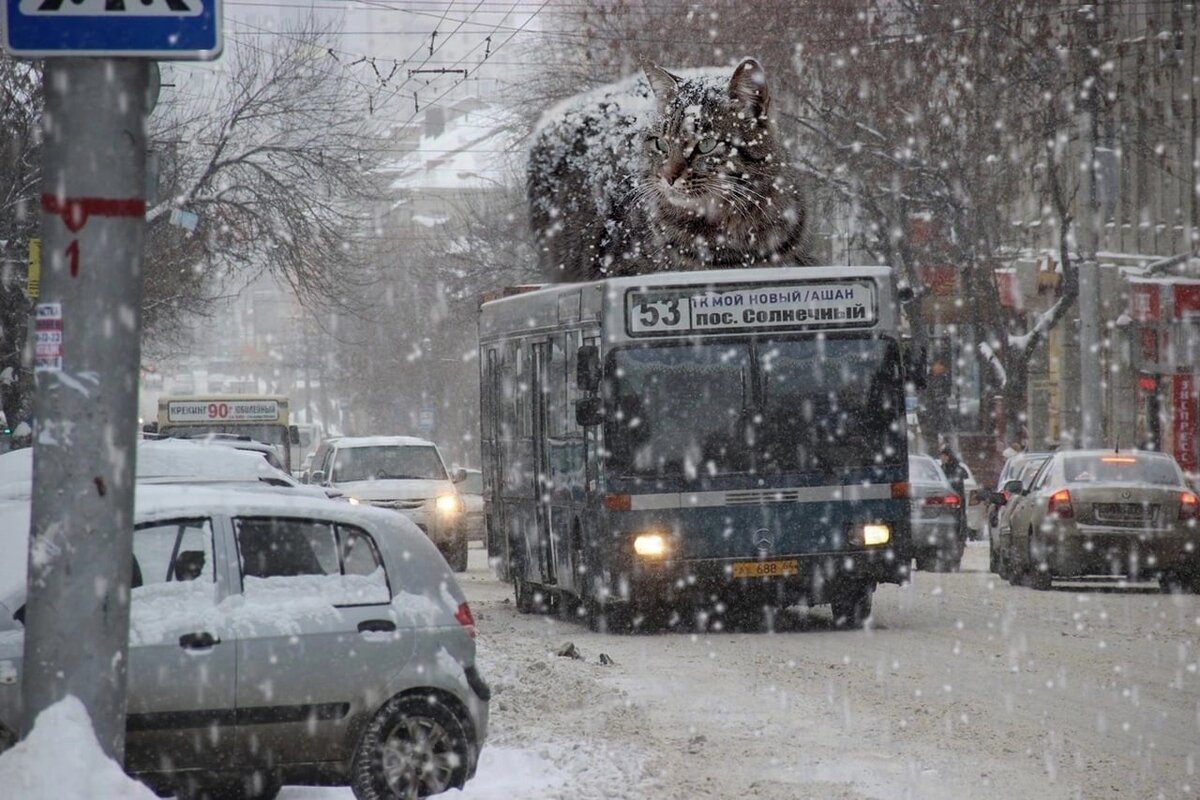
(48, 338)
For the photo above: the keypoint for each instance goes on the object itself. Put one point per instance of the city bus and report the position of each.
(697, 444)
(261, 418)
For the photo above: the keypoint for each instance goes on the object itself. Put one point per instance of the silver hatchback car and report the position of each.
(280, 639)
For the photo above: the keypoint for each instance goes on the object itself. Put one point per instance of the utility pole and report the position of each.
(1091, 395)
(88, 325)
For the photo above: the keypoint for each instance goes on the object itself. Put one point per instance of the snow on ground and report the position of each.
(33, 770)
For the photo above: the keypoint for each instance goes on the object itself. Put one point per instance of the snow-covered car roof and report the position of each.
(382, 441)
(164, 461)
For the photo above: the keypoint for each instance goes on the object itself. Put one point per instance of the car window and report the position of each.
(1042, 475)
(473, 484)
(313, 558)
(383, 462)
(177, 550)
(1118, 468)
(925, 469)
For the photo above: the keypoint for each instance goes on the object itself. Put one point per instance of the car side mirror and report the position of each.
(150, 427)
(587, 368)
(318, 476)
(588, 412)
(458, 475)
(1013, 487)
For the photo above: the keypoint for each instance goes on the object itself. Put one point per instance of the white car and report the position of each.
(279, 639)
(405, 474)
(977, 509)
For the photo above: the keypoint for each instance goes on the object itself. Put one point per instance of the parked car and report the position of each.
(281, 639)
(471, 491)
(185, 461)
(936, 538)
(976, 509)
(1100, 512)
(1022, 467)
(405, 474)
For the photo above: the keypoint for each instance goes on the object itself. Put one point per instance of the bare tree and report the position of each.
(20, 178)
(268, 172)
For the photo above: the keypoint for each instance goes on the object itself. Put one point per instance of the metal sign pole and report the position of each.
(88, 328)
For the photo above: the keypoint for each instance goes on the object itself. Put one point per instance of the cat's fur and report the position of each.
(618, 184)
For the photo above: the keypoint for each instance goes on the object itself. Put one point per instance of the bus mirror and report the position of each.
(587, 368)
(294, 434)
(588, 412)
(916, 364)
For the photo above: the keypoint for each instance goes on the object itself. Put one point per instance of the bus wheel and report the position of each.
(524, 596)
(852, 606)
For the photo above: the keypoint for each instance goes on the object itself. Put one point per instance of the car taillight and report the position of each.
(1189, 506)
(949, 500)
(463, 615)
(1060, 504)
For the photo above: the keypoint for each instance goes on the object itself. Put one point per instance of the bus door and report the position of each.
(541, 460)
(493, 455)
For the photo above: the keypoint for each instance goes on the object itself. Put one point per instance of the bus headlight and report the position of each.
(650, 545)
(876, 533)
(449, 504)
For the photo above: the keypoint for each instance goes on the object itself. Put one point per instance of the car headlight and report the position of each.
(449, 504)
(651, 545)
(354, 501)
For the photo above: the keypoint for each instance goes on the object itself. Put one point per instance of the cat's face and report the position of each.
(711, 148)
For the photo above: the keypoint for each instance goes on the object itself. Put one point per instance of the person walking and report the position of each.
(957, 475)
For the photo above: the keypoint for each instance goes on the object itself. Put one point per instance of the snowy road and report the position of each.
(965, 687)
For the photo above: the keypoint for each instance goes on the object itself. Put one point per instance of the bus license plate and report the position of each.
(765, 569)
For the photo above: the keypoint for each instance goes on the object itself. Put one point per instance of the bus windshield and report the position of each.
(769, 406)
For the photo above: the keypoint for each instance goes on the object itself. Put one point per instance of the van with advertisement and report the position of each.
(260, 418)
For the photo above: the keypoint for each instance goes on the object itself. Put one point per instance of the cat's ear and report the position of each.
(748, 87)
(662, 82)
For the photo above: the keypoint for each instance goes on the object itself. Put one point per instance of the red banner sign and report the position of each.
(1183, 427)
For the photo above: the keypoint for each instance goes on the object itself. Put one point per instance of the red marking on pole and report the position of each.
(76, 210)
(73, 256)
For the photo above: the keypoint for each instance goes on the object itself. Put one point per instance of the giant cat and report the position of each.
(665, 172)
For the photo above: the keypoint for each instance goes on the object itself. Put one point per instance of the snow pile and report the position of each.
(33, 770)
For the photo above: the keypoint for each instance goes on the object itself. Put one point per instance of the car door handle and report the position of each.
(198, 641)
(376, 626)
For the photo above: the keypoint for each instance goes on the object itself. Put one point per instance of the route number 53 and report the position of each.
(659, 313)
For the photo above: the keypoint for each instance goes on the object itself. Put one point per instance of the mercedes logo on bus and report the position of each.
(762, 541)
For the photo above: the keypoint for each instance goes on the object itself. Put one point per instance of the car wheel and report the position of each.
(523, 593)
(413, 747)
(1037, 577)
(852, 607)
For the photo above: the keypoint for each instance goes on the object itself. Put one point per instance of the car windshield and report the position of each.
(925, 470)
(271, 434)
(384, 462)
(1121, 469)
(771, 406)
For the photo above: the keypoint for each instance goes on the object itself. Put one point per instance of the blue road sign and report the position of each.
(160, 29)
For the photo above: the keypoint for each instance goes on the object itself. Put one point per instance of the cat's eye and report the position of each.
(660, 144)
(706, 145)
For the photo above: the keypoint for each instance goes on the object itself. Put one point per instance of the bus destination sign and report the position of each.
(829, 304)
(223, 411)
